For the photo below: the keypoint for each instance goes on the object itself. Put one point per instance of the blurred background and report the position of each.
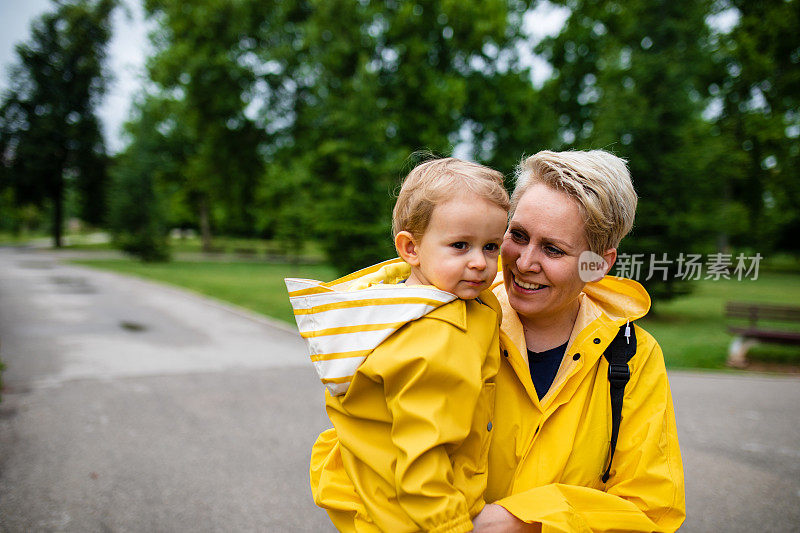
(274, 134)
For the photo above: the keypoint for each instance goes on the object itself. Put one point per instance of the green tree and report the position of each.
(135, 215)
(144, 175)
(631, 78)
(759, 94)
(50, 138)
(201, 66)
(356, 87)
(508, 118)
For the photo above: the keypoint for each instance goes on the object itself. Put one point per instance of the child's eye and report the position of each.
(459, 245)
(491, 247)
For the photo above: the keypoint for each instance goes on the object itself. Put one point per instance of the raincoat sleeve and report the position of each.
(645, 491)
(432, 393)
(332, 488)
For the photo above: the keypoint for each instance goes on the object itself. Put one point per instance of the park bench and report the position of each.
(759, 323)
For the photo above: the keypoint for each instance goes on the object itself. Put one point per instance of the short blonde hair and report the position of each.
(598, 181)
(432, 182)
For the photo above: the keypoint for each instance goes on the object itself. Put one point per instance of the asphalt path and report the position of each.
(132, 406)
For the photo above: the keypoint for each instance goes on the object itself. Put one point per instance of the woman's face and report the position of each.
(540, 253)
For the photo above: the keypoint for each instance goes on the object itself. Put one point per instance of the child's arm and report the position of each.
(331, 487)
(432, 391)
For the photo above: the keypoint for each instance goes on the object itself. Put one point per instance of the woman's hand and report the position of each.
(495, 519)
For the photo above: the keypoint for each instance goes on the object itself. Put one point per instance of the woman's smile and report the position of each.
(528, 286)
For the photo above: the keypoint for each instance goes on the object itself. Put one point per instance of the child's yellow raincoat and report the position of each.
(410, 376)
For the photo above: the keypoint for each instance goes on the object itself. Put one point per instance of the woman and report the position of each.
(552, 428)
(550, 441)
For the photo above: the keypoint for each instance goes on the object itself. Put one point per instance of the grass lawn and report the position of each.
(691, 330)
(222, 245)
(255, 286)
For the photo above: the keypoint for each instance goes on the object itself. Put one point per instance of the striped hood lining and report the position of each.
(344, 320)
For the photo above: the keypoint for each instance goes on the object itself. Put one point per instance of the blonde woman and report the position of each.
(553, 430)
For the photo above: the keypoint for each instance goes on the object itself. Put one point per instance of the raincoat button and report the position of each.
(489, 426)
(576, 357)
(597, 340)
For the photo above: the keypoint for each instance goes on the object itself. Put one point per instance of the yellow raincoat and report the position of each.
(547, 457)
(412, 407)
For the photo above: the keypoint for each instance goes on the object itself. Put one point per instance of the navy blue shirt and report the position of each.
(544, 366)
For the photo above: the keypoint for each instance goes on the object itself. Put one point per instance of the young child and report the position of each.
(408, 350)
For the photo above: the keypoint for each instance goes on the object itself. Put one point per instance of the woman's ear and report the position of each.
(610, 257)
(406, 246)
(592, 267)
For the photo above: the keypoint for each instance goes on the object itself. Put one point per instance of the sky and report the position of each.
(127, 52)
(129, 48)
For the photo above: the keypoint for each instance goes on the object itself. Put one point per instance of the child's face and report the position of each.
(458, 252)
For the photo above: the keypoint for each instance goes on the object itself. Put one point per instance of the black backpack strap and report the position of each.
(618, 353)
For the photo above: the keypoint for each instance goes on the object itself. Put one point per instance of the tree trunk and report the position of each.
(723, 239)
(205, 225)
(58, 211)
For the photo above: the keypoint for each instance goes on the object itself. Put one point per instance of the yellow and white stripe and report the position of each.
(341, 326)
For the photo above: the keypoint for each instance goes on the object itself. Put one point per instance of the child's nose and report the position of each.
(477, 261)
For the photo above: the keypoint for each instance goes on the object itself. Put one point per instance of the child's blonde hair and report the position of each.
(432, 182)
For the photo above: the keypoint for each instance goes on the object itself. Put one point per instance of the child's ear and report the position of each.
(406, 246)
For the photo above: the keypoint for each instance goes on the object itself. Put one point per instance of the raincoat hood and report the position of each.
(342, 321)
(619, 299)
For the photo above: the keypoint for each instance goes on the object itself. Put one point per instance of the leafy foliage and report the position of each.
(136, 217)
(356, 88)
(296, 121)
(50, 138)
(198, 88)
(630, 80)
(759, 95)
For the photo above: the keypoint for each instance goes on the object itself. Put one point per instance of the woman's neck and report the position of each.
(551, 331)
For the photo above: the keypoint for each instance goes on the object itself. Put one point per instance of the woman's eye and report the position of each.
(518, 236)
(459, 245)
(552, 250)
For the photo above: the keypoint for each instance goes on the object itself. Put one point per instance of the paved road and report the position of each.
(133, 407)
(130, 406)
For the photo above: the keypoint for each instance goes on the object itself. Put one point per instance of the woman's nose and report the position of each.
(528, 260)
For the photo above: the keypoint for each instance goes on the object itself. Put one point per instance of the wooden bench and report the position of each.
(751, 328)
